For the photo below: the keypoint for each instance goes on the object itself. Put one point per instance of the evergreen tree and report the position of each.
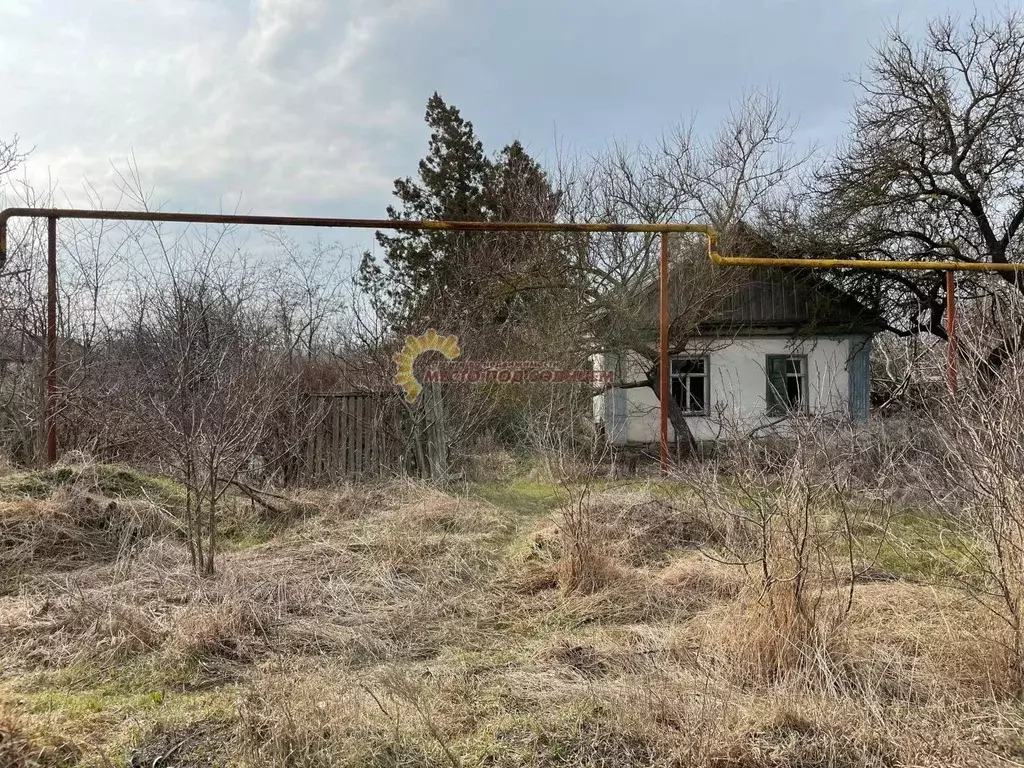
(506, 295)
(465, 279)
(424, 267)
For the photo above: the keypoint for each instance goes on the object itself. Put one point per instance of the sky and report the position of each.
(314, 107)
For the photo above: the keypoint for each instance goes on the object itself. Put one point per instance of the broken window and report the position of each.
(787, 384)
(689, 381)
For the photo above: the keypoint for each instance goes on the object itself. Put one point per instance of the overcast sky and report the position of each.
(314, 106)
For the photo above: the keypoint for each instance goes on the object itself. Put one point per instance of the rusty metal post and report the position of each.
(50, 404)
(663, 362)
(951, 348)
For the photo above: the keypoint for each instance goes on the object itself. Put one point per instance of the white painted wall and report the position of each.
(738, 386)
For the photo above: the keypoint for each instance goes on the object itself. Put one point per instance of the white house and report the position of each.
(780, 342)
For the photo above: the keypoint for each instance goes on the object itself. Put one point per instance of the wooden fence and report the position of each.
(367, 435)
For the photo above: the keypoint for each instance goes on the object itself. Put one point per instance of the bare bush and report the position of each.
(585, 565)
(984, 466)
(790, 525)
(206, 378)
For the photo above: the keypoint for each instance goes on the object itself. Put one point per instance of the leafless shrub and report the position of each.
(983, 459)
(585, 565)
(895, 455)
(559, 434)
(206, 380)
(791, 529)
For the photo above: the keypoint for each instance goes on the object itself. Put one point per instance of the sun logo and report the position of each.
(431, 341)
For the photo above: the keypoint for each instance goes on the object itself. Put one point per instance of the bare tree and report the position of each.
(730, 180)
(934, 168)
(206, 383)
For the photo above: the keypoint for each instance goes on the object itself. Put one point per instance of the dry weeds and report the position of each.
(405, 626)
(23, 746)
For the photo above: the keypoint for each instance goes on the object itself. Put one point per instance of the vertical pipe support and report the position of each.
(50, 403)
(951, 345)
(663, 361)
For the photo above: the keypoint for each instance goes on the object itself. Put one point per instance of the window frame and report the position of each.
(777, 403)
(706, 376)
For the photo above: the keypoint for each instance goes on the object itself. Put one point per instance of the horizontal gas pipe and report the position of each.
(334, 223)
(464, 226)
(49, 409)
(768, 261)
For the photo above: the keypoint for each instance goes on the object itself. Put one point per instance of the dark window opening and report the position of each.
(689, 380)
(787, 384)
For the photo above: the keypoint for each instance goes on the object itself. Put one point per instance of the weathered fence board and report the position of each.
(362, 435)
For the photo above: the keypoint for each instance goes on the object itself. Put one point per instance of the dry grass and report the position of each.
(765, 638)
(598, 541)
(75, 515)
(644, 528)
(23, 746)
(404, 626)
(70, 528)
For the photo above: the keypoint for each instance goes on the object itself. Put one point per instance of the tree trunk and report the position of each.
(212, 542)
(190, 532)
(196, 517)
(686, 444)
(190, 535)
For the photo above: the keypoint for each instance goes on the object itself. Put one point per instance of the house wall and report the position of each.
(737, 387)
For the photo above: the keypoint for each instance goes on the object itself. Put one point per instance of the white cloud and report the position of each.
(277, 101)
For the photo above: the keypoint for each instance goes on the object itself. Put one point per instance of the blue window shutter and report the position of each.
(859, 368)
(621, 415)
(616, 406)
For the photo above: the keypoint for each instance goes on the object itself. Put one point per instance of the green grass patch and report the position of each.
(35, 485)
(523, 497)
(114, 721)
(918, 546)
(146, 673)
(671, 490)
(239, 540)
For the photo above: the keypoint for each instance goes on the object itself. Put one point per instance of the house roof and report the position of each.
(751, 300)
(789, 298)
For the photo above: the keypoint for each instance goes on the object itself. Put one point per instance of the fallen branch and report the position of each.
(257, 495)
